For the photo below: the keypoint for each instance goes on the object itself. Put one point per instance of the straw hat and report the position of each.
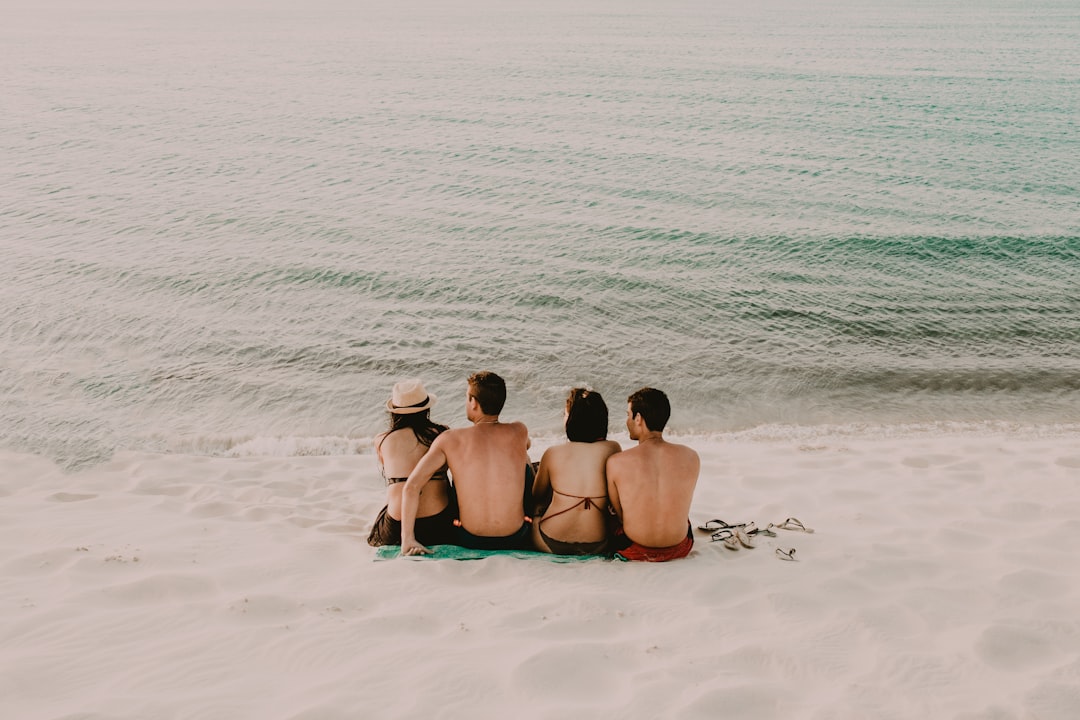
(409, 396)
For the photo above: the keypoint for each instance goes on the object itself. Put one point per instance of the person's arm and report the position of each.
(541, 489)
(613, 449)
(378, 452)
(612, 488)
(432, 461)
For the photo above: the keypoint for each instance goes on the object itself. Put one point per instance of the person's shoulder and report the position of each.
(684, 450)
(691, 451)
(390, 438)
(603, 448)
(556, 451)
(684, 456)
(448, 436)
(622, 457)
(518, 427)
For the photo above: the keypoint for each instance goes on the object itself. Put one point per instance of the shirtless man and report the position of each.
(652, 485)
(489, 463)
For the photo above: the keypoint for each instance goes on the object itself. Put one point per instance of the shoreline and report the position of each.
(290, 446)
(286, 446)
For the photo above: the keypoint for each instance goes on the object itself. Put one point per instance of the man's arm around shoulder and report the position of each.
(611, 466)
(434, 459)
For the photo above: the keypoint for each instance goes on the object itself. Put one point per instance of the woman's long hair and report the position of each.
(420, 423)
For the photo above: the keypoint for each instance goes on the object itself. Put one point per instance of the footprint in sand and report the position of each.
(1034, 584)
(159, 488)
(1015, 648)
(926, 461)
(753, 699)
(71, 497)
(213, 509)
(1069, 461)
(992, 712)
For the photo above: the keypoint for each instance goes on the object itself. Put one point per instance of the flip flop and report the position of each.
(723, 534)
(752, 530)
(743, 538)
(794, 524)
(717, 524)
(786, 554)
(728, 537)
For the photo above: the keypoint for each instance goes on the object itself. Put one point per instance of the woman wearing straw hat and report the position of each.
(399, 449)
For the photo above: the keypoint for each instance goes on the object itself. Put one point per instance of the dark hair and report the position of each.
(652, 405)
(586, 416)
(489, 390)
(420, 423)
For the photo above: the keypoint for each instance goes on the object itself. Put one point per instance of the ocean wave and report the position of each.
(273, 446)
(301, 446)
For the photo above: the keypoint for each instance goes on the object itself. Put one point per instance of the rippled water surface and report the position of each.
(233, 219)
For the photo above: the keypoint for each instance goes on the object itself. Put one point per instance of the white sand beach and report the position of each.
(941, 582)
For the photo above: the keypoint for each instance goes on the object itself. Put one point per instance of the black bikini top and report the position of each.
(439, 475)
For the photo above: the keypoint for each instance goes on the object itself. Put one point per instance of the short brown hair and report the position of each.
(653, 407)
(489, 390)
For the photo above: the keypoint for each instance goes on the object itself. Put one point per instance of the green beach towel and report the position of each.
(453, 552)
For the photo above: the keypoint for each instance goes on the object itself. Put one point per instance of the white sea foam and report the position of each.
(299, 446)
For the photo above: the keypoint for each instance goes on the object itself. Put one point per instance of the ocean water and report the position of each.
(229, 227)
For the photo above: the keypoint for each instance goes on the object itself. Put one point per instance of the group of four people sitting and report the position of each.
(587, 496)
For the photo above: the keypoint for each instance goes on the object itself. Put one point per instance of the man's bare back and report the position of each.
(651, 486)
(487, 462)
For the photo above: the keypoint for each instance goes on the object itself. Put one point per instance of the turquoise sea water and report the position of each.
(230, 220)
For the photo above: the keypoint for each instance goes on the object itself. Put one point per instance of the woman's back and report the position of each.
(399, 451)
(574, 474)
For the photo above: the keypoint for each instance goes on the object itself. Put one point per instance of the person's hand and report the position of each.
(413, 548)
